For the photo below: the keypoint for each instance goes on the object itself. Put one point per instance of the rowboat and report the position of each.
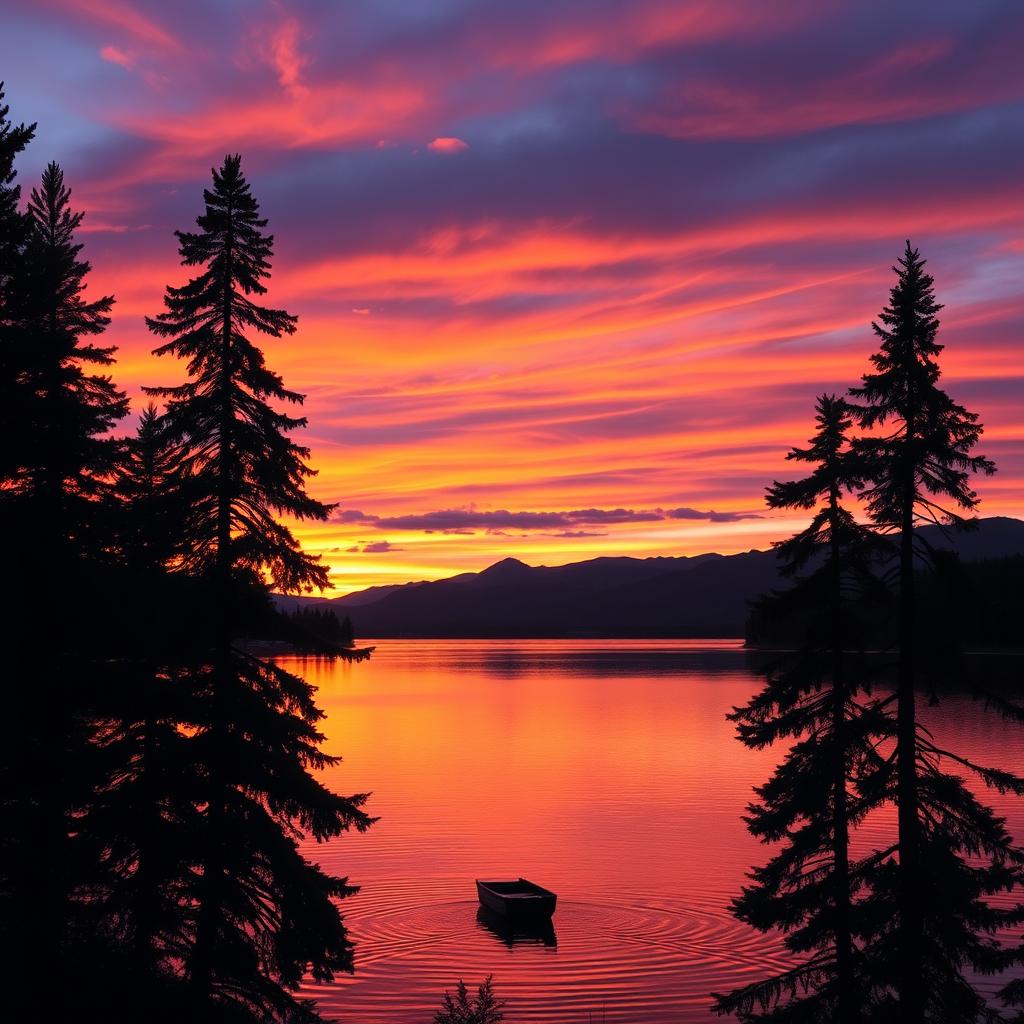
(518, 900)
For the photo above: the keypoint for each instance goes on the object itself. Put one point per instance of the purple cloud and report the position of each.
(351, 515)
(466, 520)
(710, 516)
(379, 547)
(376, 547)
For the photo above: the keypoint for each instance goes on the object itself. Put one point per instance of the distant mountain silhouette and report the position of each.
(703, 595)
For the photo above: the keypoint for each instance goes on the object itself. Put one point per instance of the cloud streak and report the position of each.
(462, 520)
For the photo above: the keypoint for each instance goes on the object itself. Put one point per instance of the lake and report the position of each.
(604, 770)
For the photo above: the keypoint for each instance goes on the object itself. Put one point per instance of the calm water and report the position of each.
(604, 770)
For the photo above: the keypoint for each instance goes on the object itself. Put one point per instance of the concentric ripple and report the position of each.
(618, 959)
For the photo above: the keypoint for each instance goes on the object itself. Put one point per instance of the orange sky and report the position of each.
(568, 284)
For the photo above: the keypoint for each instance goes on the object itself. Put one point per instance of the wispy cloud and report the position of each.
(462, 520)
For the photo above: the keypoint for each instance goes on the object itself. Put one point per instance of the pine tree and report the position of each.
(813, 698)
(58, 462)
(265, 916)
(246, 467)
(462, 1008)
(953, 851)
(14, 776)
(63, 453)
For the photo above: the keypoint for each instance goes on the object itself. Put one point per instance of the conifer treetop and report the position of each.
(65, 412)
(236, 255)
(60, 274)
(928, 446)
(837, 471)
(231, 436)
(827, 449)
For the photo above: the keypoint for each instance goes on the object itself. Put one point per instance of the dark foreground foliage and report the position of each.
(463, 1008)
(157, 780)
(903, 933)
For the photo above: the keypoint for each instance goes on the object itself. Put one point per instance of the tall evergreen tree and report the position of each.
(13, 776)
(58, 463)
(954, 852)
(265, 916)
(814, 698)
(63, 451)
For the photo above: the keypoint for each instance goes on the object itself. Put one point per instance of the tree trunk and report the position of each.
(911, 926)
(146, 882)
(54, 722)
(840, 824)
(211, 909)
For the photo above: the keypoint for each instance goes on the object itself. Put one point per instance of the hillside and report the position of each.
(703, 595)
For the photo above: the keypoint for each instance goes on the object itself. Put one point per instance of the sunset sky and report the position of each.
(569, 274)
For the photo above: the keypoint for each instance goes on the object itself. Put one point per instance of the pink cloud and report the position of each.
(447, 144)
(115, 55)
(123, 17)
(285, 56)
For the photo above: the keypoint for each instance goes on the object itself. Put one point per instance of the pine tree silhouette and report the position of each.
(462, 1008)
(807, 889)
(65, 455)
(15, 727)
(265, 915)
(58, 463)
(953, 851)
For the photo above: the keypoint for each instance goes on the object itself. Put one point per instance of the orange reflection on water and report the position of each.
(605, 770)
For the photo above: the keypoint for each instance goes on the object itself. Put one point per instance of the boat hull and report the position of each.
(522, 901)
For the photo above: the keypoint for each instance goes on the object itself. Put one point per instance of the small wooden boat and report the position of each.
(517, 901)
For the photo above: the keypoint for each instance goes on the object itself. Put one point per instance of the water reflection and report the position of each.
(521, 933)
(599, 658)
(607, 769)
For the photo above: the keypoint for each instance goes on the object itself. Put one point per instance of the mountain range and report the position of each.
(688, 596)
